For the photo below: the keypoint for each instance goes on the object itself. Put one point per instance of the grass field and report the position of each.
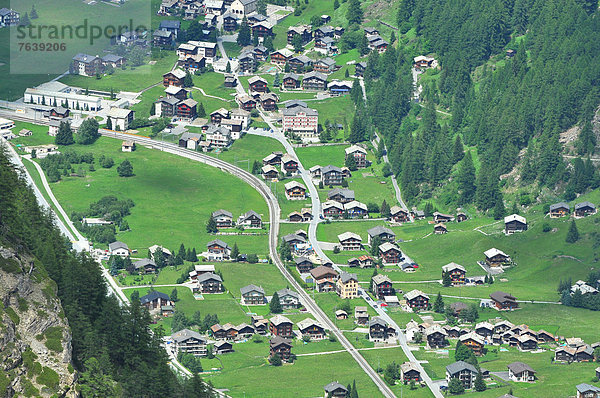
(248, 149)
(232, 49)
(336, 110)
(161, 190)
(213, 84)
(331, 302)
(322, 155)
(288, 206)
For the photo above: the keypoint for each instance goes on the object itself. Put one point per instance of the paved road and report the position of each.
(274, 213)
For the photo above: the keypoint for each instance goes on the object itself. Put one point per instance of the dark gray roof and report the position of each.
(584, 204)
(330, 168)
(252, 288)
(519, 367)
(315, 74)
(222, 212)
(333, 386)
(162, 33)
(459, 366)
(291, 237)
(142, 263)
(346, 277)
(170, 24)
(85, 58)
(326, 61)
(559, 205)
(218, 242)
(377, 321)
(117, 245)
(302, 58)
(5, 11)
(584, 387)
(345, 192)
(111, 58)
(295, 110)
(153, 295)
(208, 276)
(291, 76)
(325, 29)
(300, 260)
(278, 340)
(186, 334)
(171, 100)
(287, 292)
(250, 214)
(378, 230)
(501, 296)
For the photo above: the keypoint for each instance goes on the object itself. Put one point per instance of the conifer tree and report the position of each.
(64, 135)
(275, 304)
(479, 383)
(459, 150)
(573, 233)
(466, 179)
(33, 14)
(438, 305)
(211, 225)
(354, 14)
(244, 35)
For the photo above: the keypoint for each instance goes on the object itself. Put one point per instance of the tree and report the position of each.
(244, 35)
(438, 305)
(354, 14)
(261, 7)
(455, 386)
(24, 21)
(211, 225)
(275, 305)
(479, 383)
(88, 132)
(136, 56)
(33, 14)
(375, 242)
(252, 258)
(228, 67)
(64, 135)
(297, 43)
(363, 45)
(385, 209)
(336, 4)
(125, 169)
(499, 209)
(351, 163)
(446, 280)
(174, 295)
(94, 382)
(268, 43)
(275, 360)
(459, 150)
(188, 81)
(235, 252)
(466, 179)
(573, 233)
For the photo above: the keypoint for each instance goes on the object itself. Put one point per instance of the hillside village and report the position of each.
(221, 171)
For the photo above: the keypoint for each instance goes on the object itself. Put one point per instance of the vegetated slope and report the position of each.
(112, 346)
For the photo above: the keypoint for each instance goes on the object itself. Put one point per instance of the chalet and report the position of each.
(269, 173)
(559, 210)
(128, 146)
(527, 343)
(379, 330)
(366, 261)
(503, 301)
(187, 109)
(293, 240)
(324, 31)
(303, 264)
(262, 29)
(377, 43)
(295, 216)
(409, 372)
(347, 286)
(299, 63)
(247, 62)
(341, 314)
(250, 219)
(86, 65)
(460, 217)
(417, 300)
(584, 209)
(473, 341)
(118, 249)
(163, 39)
(583, 288)
(255, 18)
(383, 233)
(585, 390)
(325, 278)
(502, 327)
(346, 173)
(465, 372)
(332, 208)
(584, 353)
(230, 22)
(361, 316)
(327, 44)
(484, 329)
(261, 53)
(200, 269)
(342, 195)
(325, 65)
(279, 325)
(331, 175)
(257, 84)
(218, 250)
(223, 347)
(339, 87)
(242, 116)
(335, 390)
(174, 78)
(398, 214)
(260, 324)
(214, 7)
(295, 191)
(281, 57)
(359, 69)
(514, 223)
(565, 354)
(288, 299)
(146, 266)
(306, 214)
(370, 31)
(288, 164)
(456, 272)
(423, 62)
(9, 17)
(338, 31)
(189, 342)
(436, 336)
(166, 107)
(291, 81)
(253, 295)
(442, 218)
(544, 336)
(417, 214)
(440, 229)
(244, 330)
(314, 80)
(273, 159)
(359, 154)
(356, 209)
(112, 60)
(223, 218)
(209, 283)
(304, 31)
(281, 347)
(155, 301)
(217, 116)
(311, 328)
(390, 254)
(496, 258)
(246, 102)
(57, 112)
(172, 26)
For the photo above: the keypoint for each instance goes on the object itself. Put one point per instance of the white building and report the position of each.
(120, 118)
(55, 93)
(242, 8)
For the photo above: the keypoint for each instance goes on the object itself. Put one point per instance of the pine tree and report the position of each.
(438, 305)
(354, 393)
(297, 43)
(211, 225)
(479, 383)
(235, 252)
(109, 123)
(336, 4)
(384, 209)
(200, 110)
(459, 150)
(446, 280)
(275, 304)
(499, 209)
(244, 35)
(64, 135)
(188, 81)
(174, 295)
(573, 233)
(466, 179)
(33, 14)
(455, 386)
(586, 142)
(354, 14)
(125, 169)
(228, 67)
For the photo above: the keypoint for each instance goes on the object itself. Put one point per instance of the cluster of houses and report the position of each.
(248, 220)
(467, 373)
(580, 210)
(90, 65)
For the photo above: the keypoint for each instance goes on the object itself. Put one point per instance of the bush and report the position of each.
(49, 378)
(546, 227)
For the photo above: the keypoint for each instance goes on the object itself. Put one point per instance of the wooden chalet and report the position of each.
(456, 272)
(442, 218)
(496, 258)
(262, 29)
(440, 228)
(253, 295)
(398, 214)
(174, 78)
(381, 286)
(514, 223)
(261, 53)
(436, 336)
(145, 266)
(281, 57)
(295, 191)
(584, 209)
(314, 80)
(304, 31)
(280, 346)
(384, 234)
(484, 329)
(325, 278)
(303, 264)
(463, 371)
(341, 195)
(504, 301)
(289, 164)
(380, 330)
(460, 217)
(359, 69)
(246, 102)
(474, 341)
(209, 283)
(288, 299)
(390, 253)
(299, 63)
(409, 372)
(350, 241)
(527, 343)
(311, 328)
(258, 84)
(223, 347)
(291, 81)
(417, 300)
(335, 390)
(558, 210)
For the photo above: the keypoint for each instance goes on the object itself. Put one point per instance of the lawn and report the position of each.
(213, 84)
(232, 49)
(39, 135)
(162, 189)
(322, 155)
(288, 206)
(336, 110)
(249, 148)
(331, 302)
(149, 97)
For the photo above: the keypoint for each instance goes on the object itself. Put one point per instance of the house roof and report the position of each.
(379, 230)
(494, 252)
(170, 24)
(256, 79)
(222, 212)
(584, 387)
(162, 33)
(355, 148)
(346, 277)
(111, 58)
(322, 271)
(459, 366)
(218, 242)
(117, 245)
(387, 246)
(284, 51)
(330, 168)
(344, 192)
(85, 58)
(332, 203)
(409, 366)
(119, 113)
(295, 103)
(377, 321)
(584, 204)
(248, 214)
(453, 266)
(560, 205)
(268, 169)
(315, 75)
(186, 334)
(341, 312)
(209, 276)
(153, 295)
(252, 288)
(287, 158)
(501, 297)
(328, 62)
(178, 73)
(291, 75)
(308, 322)
(293, 184)
(355, 204)
(222, 343)
(279, 319)
(334, 386)
(435, 328)
(414, 294)
(515, 217)
(301, 259)
(204, 268)
(292, 237)
(340, 83)
(485, 325)
(302, 59)
(287, 292)
(380, 278)
(296, 110)
(278, 340)
(349, 235)
(520, 367)
(144, 262)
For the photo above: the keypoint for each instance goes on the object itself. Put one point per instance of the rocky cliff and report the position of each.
(35, 339)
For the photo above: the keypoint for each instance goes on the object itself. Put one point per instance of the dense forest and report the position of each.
(113, 347)
(511, 109)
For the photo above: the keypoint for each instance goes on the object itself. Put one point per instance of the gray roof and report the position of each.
(153, 295)
(250, 214)
(291, 76)
(117, 245)
(378, 230)
(142, 263)
(584, 204)
(162, 33)
(302, 58)
(326, 61)
(459, 366)
(208, 276)
(188, 136)
(5, 11)
(315, 74)
(218, 242)
(222, 212)
(294, 103)
(377, 321)
(300, 260)
(287, 292)
(185, 334)
(334, 385)
(170, 24)
(584, 387)
(295, 110)
(169, 100)
(330, 168)
(345, 192)
(519, 367)
(252, 288)
(111, 58)
(559, 205)
(325, 29)
(346, 277)
(290, 237)
(85, 58)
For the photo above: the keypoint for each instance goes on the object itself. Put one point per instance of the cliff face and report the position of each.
(35, 339)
